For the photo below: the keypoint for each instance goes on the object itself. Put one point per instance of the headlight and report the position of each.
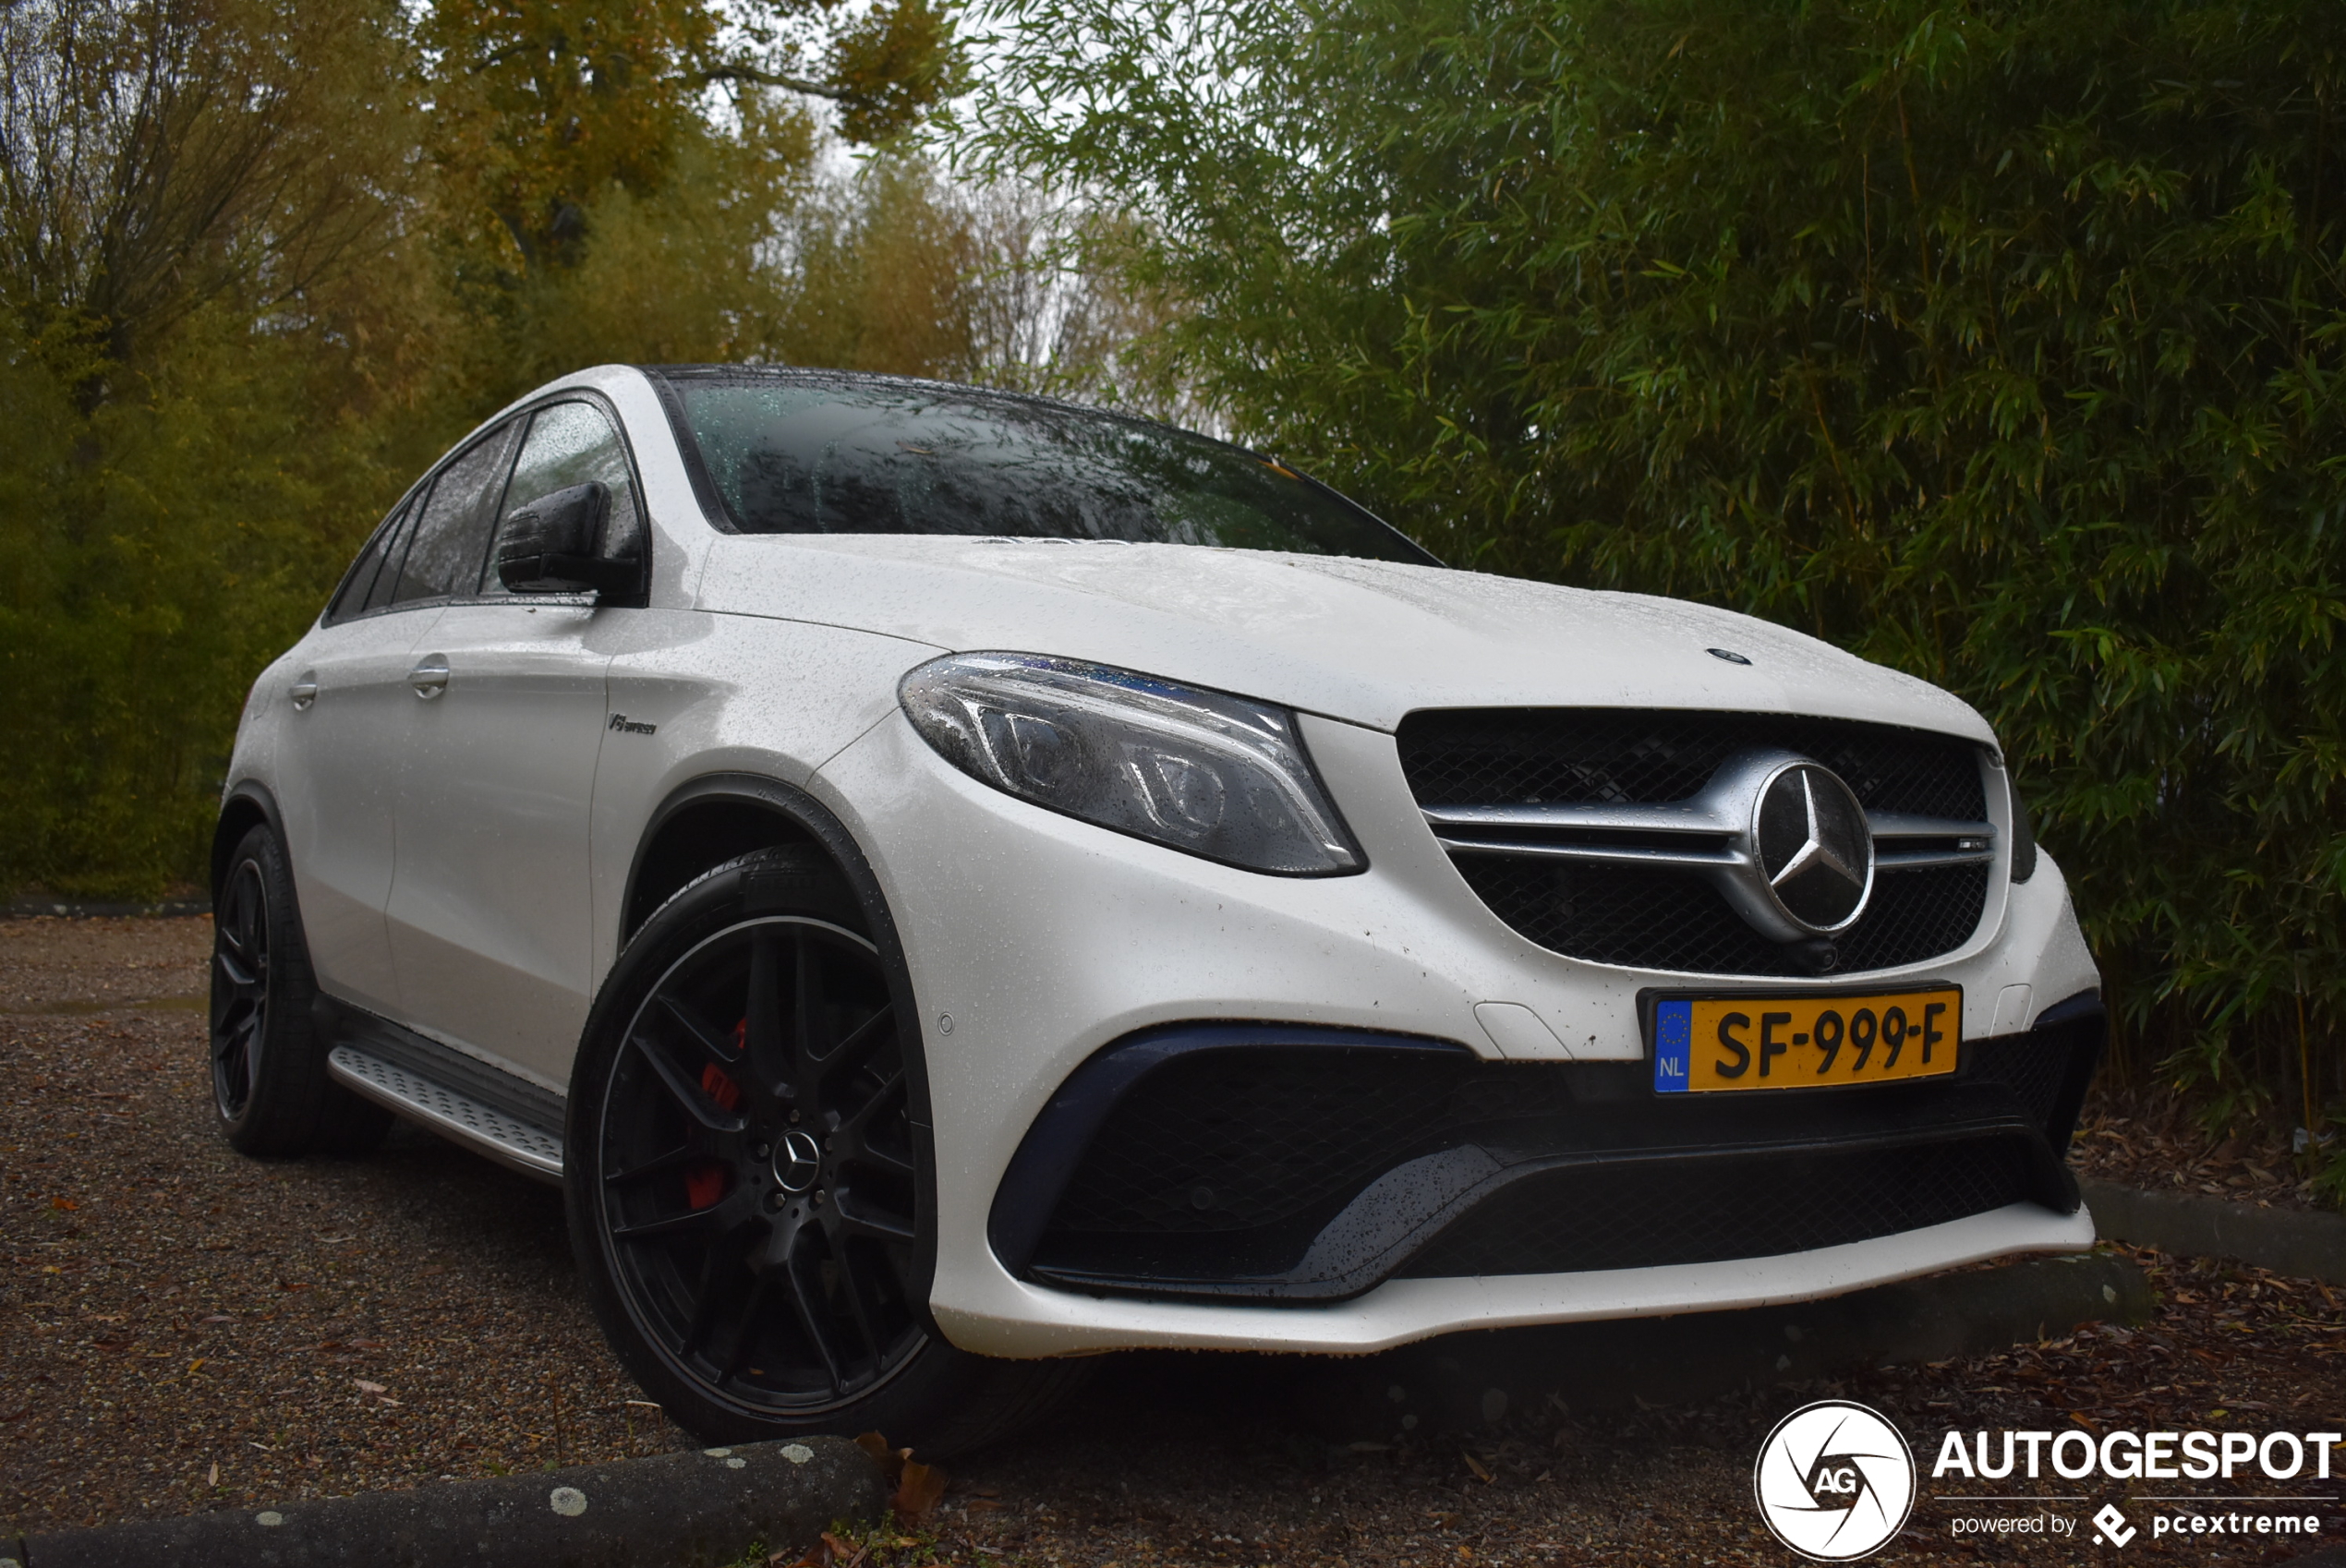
(1214, 774)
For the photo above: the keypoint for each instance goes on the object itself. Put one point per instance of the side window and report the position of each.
(394, 551)
(359, 581)
(569, 445)
(452, 529)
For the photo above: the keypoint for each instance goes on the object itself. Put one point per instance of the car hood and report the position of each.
(1364, 641)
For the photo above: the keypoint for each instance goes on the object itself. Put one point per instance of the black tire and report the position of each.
(269, 1083)
(745, 1191)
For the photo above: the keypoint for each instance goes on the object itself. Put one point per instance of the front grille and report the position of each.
(1734, 1206)
(1663, 919)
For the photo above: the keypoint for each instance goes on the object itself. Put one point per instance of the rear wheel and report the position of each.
(744, 1190)
(269, 1080)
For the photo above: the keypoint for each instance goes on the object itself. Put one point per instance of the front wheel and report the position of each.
(743, 1172)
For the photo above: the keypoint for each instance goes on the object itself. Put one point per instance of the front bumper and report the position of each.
(1044, 940)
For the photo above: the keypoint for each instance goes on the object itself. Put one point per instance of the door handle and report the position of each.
(304, 692)
(430, 678)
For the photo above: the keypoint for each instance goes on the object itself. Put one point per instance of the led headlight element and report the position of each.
(1200, 771)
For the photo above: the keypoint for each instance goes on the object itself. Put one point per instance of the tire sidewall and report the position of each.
(917, 1396)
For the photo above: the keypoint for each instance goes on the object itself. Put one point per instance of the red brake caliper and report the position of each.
(705, 1184)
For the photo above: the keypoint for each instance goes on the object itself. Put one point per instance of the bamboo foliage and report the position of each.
(1998, 341)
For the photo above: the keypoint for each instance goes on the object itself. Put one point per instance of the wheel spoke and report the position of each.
(810, 1307)
(719, 1263)
(854, 1140)
(686, 1093)
(235, 1048)
(703, 1317)
(851, 1287)
(861, 1040)
(770, 1054)
(888, 1160)
(685, 1154)
(878, 1225)
(883, 1100)
(712, 1043)
(712, 1220)
(806, 1001)
(744, 1333)
(239, 976)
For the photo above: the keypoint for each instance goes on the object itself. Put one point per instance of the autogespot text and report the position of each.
(2127, 1456)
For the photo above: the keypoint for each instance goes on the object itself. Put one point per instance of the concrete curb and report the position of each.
(1466, 1381)
(2288, 1241)
(685, 1509)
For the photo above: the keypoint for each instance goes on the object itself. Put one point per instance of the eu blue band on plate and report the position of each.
(1673, 1045)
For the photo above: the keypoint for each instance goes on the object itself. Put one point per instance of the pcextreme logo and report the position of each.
(1835, 1480)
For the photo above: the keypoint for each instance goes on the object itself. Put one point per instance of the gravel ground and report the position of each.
(185, 1328)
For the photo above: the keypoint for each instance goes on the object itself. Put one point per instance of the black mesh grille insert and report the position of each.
(1506, 757)
(2034, 1066)
(1236, 1140)
(1752, 1205)
(1660, 919)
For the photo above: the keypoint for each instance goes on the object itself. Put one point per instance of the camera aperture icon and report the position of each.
(1834, 1481)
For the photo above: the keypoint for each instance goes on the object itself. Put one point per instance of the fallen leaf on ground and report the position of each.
(917, 1492)
(890, 1460)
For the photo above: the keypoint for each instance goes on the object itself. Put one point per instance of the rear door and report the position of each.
(491, 909)
(338, 766)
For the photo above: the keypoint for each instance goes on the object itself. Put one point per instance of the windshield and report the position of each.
(789, 457)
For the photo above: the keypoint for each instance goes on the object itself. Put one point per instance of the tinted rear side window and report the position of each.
(451, 531)
(394, 551)
(359, 581)
(810, 458)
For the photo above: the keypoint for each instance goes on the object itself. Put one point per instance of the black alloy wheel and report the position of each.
(269, 1082)
(756, 1168)
(239, 989)
(746, 1170)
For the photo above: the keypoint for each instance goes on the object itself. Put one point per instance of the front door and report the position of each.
(492, 907)
(491, 910)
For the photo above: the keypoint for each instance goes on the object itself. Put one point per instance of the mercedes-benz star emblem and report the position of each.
(1813, 847)
(798, 1160)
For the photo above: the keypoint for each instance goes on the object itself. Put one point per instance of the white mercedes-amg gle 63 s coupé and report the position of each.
(950, 883)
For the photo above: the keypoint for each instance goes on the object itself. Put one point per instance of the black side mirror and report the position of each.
(547, 546)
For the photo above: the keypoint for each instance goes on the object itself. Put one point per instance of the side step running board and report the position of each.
(488, 1111)
(535, 1151)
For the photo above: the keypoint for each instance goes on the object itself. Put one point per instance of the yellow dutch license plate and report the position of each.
(1711, 1045)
